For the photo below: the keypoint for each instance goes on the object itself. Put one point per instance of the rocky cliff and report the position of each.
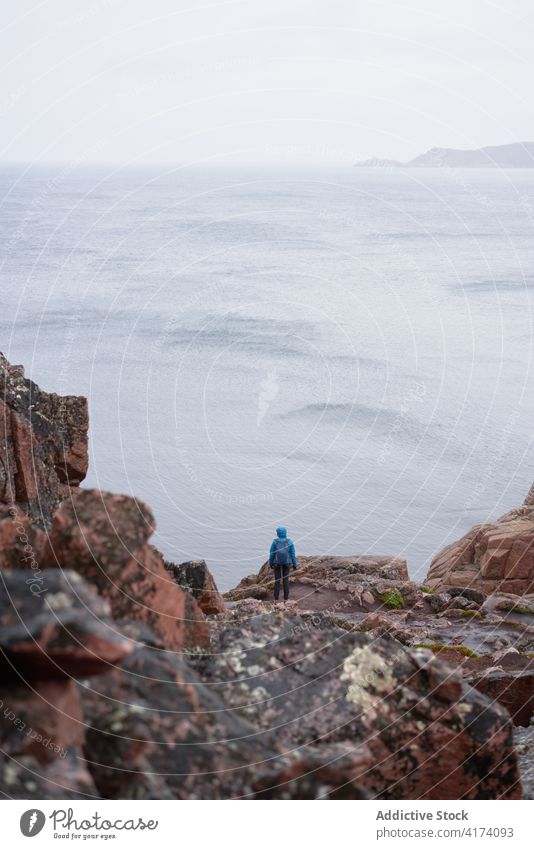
(494, 558)
(125, 676)
(43, 444)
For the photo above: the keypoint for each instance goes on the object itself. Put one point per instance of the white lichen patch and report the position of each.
(75, 578)
(58, 601)
(137, 709)
(247, 700)
(235, 659)
(462, 710)
(369, 676)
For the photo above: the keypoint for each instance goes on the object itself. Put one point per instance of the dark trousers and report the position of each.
(279, 573)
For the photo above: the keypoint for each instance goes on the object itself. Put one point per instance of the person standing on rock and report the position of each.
(281, 557)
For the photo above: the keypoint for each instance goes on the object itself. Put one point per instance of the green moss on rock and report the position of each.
(392, 599)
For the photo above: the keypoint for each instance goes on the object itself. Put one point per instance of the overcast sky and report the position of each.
(261, 80)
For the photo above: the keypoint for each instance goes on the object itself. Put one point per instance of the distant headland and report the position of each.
(518, 155)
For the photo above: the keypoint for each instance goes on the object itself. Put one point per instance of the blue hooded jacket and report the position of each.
(282, 534)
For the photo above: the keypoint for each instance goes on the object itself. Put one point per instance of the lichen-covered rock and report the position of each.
(43, 444)
(512, 688)
(54, 625)
(427, 734)
(99, 533)
(529, 499)
(104, 538)
(195, 578)
(281, 706)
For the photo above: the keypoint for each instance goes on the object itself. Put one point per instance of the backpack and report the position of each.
(281, 555)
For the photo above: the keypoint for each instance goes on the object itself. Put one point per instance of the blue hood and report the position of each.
(281, 533)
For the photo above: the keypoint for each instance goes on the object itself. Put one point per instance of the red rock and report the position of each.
(283, 706)
(330, 583)
(512, 602)
(42, 731)
(426, 734)
(524, 741)
(512, 689)
(195, 578)
(46, 639)
(497, 557)
(43, 444)
(104, 538)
